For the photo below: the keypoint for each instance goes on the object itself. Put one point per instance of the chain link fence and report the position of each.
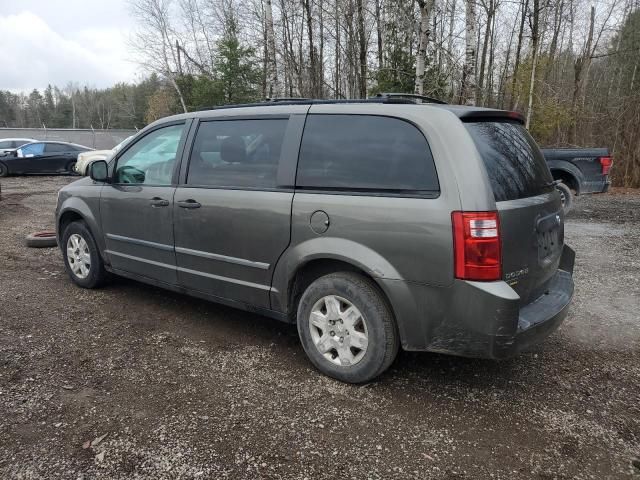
(98, 139)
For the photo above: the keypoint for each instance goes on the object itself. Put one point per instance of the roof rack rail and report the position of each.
(424, 98)
(388, 98)
(288, 99)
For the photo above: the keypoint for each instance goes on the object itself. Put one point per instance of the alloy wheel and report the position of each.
(78, 256)
(338, 330)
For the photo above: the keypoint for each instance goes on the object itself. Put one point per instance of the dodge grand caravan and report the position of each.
(372, 225)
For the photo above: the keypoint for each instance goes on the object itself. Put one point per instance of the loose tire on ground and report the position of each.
(82, 260)
(566, 196)
(46, 239)
(330, 298)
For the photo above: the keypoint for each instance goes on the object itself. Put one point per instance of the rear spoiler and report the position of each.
(489, 115)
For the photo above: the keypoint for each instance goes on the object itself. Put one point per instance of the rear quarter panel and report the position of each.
(390, 237)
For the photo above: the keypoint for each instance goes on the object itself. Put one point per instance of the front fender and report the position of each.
(88, 209)
(329, 248)
(569, 168)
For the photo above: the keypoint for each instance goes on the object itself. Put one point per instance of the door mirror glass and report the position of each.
(98, 171)
(19, 153)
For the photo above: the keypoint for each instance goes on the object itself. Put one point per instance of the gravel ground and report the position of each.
(187, 389)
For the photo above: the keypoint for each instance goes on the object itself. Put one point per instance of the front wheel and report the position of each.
(566, 196)
(346, 327)
(4, 171)
(82, 259)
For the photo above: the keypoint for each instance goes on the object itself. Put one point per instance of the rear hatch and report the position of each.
(529, 208)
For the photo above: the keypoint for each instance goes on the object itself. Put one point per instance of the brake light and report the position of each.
(606, 163)
(476, 246)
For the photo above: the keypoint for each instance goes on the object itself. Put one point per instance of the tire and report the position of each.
(44, 239)
(345, 360)
(77, 239)
(566, 197)
(71, 168)
(4, 171)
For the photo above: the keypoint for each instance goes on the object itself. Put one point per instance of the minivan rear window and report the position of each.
(514, 163)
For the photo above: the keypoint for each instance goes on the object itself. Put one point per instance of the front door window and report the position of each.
(151, 160)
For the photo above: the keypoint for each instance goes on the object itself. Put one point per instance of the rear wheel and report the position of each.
(566, 196)
(82, 259)
(346, 327)
(4, 171)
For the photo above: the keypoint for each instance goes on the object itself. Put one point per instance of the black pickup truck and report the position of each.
(579, 171)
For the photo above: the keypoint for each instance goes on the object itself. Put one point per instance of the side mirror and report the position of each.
(98, 171)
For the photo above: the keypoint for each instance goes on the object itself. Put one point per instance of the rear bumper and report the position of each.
(595, 186)
(479, 319)
(539, 319)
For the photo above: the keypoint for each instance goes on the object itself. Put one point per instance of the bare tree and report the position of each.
(154, 40)
(426, 8)
(468, 95)
(274, 88)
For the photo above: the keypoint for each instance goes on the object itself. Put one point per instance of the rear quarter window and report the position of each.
(365, 153)
(514, 163)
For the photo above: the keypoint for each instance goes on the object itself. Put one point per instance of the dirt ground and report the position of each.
(183, 388)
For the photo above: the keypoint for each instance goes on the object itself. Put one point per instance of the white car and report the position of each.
(85, 159)
(8, 144)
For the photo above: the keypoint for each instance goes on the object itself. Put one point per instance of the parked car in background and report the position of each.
(373, 225)
(87, 158)
(579, 171)
(41, 157)
(9, 144)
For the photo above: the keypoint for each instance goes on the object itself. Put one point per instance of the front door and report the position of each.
(31, 156)
(136, 208)
(231, 220)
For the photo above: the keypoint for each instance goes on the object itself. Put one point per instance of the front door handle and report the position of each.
(159, 202)
(191, 203)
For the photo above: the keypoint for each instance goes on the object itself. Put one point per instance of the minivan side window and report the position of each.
(236, 153)
(365, 153)
(150, 160)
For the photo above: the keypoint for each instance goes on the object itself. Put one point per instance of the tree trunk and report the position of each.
(581, 68)
(362, 54)
(485, 45)
(468, 96)
(516, 67)
(380, 33)
(274, 89)
(535, 37)
(313, 55)
(426, 6)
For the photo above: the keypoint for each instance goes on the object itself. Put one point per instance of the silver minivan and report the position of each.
(372, 224)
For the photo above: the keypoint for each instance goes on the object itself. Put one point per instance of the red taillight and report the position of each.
(476, 245)
(606, 163)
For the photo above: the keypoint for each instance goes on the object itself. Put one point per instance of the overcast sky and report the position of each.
(58, 41)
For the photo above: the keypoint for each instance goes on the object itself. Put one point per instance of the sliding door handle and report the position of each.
(191, 203)
(159, 202)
